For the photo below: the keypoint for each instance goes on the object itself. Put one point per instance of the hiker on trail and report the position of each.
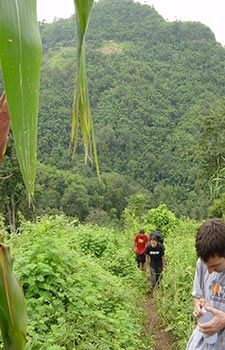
(158, 235)
(155, 259)
(140, 242)
(209, 285)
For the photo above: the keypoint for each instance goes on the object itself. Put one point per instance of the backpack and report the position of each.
(158, 235)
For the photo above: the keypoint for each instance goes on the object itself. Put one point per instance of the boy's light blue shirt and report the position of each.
(210, 287)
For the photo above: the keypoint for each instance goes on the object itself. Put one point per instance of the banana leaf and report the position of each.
(13, 316)
(81, 105)
(20, 58)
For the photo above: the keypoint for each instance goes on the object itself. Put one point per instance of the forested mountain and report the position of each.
(153, 85)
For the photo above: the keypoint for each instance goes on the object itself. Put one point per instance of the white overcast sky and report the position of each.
(211, 13)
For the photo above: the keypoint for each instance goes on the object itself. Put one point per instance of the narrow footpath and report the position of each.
(162, 340)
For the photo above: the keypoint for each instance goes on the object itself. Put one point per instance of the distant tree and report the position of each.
(217, 209)
(75, 201)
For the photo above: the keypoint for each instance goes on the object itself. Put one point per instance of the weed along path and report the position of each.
(162, 340)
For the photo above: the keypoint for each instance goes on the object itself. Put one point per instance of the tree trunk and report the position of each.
(11, 215)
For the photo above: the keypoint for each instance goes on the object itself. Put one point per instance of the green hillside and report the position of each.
(149, 81)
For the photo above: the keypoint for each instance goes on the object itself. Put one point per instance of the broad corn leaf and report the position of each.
(20, 56)
(81, 106)
(13, 316)
(4, 125)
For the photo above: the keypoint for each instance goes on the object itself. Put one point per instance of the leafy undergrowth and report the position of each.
(84, 291)
(82, 286)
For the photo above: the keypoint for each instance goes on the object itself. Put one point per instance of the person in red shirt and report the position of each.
(140, 243)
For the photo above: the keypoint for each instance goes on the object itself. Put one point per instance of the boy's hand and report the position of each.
(198, 308)
(216, 324)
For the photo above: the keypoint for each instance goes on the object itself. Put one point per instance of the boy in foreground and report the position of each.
(209, 285)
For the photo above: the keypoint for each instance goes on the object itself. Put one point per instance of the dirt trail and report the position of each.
(162, 340)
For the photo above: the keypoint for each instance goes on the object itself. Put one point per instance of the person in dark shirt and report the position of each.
(155, 259)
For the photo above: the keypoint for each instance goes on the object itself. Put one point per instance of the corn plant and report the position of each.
(20, 60)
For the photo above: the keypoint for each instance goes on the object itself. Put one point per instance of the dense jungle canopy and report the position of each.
(156, 92)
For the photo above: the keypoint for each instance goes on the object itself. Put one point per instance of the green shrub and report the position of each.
(161, 219)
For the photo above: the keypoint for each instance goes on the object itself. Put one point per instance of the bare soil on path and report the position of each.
(162, 339)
